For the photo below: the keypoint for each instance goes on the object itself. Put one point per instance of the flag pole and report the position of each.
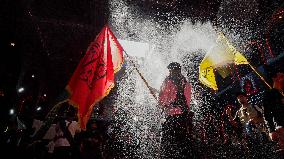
(215, 28)
(259, 75)
(142, 77)
(55, 107)
(49, 118)
(253, 68)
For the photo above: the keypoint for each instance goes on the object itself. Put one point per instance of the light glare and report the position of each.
(12, 111)
(20, 90)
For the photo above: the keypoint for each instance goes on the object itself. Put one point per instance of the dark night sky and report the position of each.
(51, 36)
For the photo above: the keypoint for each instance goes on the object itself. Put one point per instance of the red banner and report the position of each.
(94, 76)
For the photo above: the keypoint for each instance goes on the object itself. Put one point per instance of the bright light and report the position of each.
(280, 17)
(44, 95)
(20, 90)
(6, 129)
(38, 108)
(12, 44)
(136, 49)
(12, 111)
(33, 76)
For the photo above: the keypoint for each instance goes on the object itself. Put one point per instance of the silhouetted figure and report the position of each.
(175, 96)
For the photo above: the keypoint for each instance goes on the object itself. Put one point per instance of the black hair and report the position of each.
(174, 66)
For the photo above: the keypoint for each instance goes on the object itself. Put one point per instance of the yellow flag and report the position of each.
(206, 74)
(220, 55)
(240, 59)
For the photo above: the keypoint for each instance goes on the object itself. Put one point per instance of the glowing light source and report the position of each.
(38, 108)
(20, 90)
(12, 111)
(33, 76)
(280, 17)
(6, 129)
(12, 44)
(44, 95)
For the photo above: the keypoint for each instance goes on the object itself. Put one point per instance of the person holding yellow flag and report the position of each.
(222, 54)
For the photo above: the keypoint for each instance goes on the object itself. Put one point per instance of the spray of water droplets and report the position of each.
(239, 20)
(175, 39)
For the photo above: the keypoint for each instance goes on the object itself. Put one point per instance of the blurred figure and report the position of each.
(175, 98)
(250, 117)
(229, 127)
(91, 142)
(249, 88)
(273, 103)
(62, 141)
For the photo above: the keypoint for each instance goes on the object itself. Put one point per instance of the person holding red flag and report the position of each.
(174, 97)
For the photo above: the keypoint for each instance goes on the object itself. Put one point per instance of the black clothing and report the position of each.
(175, 127)
(179, 82)
(273, 109)
(174, 137)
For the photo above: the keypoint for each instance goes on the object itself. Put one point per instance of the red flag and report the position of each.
(94, 76)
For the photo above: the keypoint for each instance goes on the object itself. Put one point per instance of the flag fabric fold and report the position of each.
(221, 54)
(94, 76)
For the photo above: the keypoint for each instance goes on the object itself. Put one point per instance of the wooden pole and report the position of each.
(259, 75)
(142, 77)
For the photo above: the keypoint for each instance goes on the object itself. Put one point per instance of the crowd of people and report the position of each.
(243, 131)
(251, 126)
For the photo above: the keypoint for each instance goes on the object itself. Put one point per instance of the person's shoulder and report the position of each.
(168, 79)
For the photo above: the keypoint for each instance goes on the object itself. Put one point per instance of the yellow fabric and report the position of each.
(221, 54)
(224, 71)
(240, 59)
(206, 74)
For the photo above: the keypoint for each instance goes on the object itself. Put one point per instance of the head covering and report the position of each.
(174, 66)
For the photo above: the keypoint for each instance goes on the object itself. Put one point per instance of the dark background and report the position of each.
(51, 36)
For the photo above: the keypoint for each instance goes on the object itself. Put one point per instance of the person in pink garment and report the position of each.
(175, 92)
(174, 97)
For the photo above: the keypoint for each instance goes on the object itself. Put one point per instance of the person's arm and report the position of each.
(236, 120)
(236, 117)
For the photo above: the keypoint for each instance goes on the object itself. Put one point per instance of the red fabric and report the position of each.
(94, 76)
(187, 94)
(168, 95)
